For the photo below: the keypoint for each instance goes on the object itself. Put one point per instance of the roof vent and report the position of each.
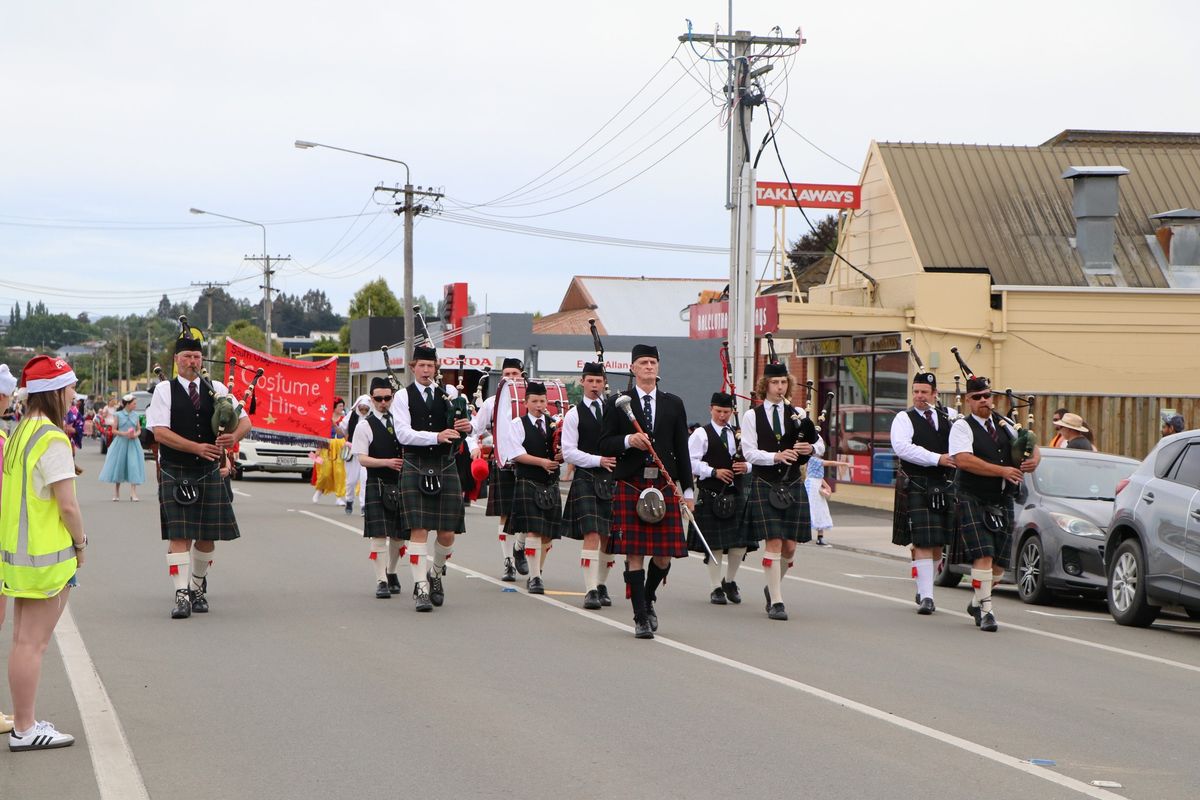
(1178, 235)
(1094, 206)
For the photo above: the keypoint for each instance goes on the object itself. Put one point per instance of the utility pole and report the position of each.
(208, 294)
(740, 198)
(266, 287)
(410, 211)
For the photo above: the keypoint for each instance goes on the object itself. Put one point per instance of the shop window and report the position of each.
(870, 390)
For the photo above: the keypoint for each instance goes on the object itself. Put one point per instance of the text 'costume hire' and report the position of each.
(430, 492)
(589, 501)
(537, 503)
(923, 512)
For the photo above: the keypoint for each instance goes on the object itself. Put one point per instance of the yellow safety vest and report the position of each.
(37, 554)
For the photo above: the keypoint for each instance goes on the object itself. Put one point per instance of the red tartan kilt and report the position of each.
(631, 536)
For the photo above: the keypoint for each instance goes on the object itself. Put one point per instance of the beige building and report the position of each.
(1069, 270)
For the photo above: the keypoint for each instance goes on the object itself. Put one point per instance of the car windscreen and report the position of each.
(1085, 478)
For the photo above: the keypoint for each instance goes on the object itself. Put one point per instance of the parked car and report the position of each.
(1061, 517)
(1152, 551)
(255, 456)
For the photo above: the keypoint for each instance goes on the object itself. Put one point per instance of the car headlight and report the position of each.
(1076, 525)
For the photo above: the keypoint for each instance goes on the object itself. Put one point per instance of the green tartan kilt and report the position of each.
(378, 520)
(210, 518)
(586, 512)
(914, 522)
(444, 511)
(764, 521)
(721, 534)
(526, 517)
(974, 539)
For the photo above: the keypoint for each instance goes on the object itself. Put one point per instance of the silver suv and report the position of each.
(1152, 552)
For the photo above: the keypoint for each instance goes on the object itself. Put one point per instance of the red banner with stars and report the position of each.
(293, 399)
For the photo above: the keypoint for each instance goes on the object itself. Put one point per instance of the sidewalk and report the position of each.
(864, 530)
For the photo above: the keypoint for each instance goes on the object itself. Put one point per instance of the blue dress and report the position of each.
(124, 463)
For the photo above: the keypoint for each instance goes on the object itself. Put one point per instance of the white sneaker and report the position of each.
(42, 737)
(339, 501)
(316, 497)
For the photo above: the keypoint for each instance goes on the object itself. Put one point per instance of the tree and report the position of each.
(164, 308)
(814, 245)
(375, 299)
(226, 309)
(325, 345)
(251, 335)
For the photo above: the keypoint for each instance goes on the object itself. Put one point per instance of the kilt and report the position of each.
(501, 485)
(973, 539)
(526, 517)
(721, 534)
(210, 518)
(586, 512)
(913, 521)
(631, 536)
(765, 521)
(378, 521)
(443, 512)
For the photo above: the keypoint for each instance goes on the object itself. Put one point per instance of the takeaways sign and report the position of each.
(808, 195)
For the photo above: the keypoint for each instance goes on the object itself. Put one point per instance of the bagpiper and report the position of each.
(378, 449)
(501, 478)
(537, 505)
(588, 515)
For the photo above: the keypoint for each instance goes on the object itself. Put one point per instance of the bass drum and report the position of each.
(510, 404)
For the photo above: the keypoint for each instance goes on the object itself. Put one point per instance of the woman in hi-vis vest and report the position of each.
(8, 385)
(41, 538)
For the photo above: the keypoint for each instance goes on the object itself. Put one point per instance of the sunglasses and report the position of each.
(387, 398)
(981, 396)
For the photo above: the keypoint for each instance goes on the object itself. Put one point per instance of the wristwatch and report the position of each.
(82, 546)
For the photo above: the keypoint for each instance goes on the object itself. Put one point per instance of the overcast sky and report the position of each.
(119, 116)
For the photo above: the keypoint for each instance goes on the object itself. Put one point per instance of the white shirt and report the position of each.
(698, 448)
(641, 404)
(364, 435)
(962, 438)
(750, 447)
(570, 439)
(403, 417)
(902, 443)
(482, 423)
(517, 432)
(159, 412)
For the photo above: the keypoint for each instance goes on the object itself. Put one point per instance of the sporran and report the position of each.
(651, 506)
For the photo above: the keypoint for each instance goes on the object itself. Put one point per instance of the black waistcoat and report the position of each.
(589, 428)
(431, 417)
(987, 487)
(935, 441)
(539, 445)
(803, 431)
(717, 457)
(383, 445)
(186, 421)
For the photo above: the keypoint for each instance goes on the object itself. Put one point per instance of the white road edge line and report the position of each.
(883, 716)
(240, 493)
(116, 770)
(1096, 618)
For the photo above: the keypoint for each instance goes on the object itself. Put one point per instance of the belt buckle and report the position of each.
(650, 473)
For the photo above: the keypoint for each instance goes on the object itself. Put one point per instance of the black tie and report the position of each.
(648, 413)
(929, 417)
(428, 396)
(387, 422)
(540, 427)
(596, 409)
(991, 429)
(725, 437)
(194, 395)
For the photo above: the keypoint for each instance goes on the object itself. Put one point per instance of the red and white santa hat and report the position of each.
(46, 374)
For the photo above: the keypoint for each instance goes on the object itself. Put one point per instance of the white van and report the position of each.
(254, 456)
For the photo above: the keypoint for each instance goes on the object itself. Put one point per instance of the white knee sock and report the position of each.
(520, 541)
(784, 565)
(590, 561)
(201, 561)
(506, 545)
(379, 548)
(604, 566)
(441, 554)
(395, 549)
(981, 582)
(417, 553)
(772, 570)
(714, 571)
(733, 560)
(924, 573)
(180, 567)
(533, 552)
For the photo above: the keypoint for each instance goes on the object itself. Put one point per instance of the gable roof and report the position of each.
(1008, 210)
(629, 306)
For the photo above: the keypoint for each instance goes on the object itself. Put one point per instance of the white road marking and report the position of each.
(878, 714)
(117, 773)
(881, 577)
(240, 493)
(1065, 616)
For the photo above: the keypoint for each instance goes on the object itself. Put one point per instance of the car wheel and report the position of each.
(1031, 572)
(1193, 613)
(946, 576)
(306, 476)
(1127, 586)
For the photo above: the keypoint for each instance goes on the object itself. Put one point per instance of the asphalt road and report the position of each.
(300, 683)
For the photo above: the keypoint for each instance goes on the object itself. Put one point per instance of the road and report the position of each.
(300, 683)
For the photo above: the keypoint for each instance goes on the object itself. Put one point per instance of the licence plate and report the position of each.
(285, 460)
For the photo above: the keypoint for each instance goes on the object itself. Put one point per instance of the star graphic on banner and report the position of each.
(322, 408)
(327, 379)
(270, 420)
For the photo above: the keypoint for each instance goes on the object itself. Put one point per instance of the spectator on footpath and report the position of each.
(1058, 440)
(41, 539)
(1073, 432)
(1171, 423)
(8, 384)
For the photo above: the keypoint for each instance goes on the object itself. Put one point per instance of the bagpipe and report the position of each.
(1023, 438)
(937, 395)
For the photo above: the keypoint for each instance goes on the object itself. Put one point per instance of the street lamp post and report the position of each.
(409, 213)
(266, 269)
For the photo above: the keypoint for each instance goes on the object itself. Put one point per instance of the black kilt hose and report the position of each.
(631, 536)
(210, 518)
(975, 536)
(913, 521)
(527, 517)
(501, 486)
(378, 520)
(721, 534)
(586, 512)
(765, 521)
(443, 512)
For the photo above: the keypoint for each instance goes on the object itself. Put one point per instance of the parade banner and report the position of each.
(293, 400)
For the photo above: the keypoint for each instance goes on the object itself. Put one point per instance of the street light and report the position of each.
(266, 268)
(409, 194)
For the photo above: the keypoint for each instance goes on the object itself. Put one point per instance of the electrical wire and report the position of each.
(114, 225)
(814, 146)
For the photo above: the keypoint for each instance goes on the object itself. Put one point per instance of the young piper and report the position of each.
(537, 507)
(657, 531)
(713, 449)
(588, 515)
(378, 450)
(778, 439)
(981, 446)
(501, 478)
(430, 492)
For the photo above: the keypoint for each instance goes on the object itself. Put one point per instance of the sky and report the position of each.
(584, 117)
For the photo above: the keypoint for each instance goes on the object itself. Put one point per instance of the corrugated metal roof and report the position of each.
(1008, 210)
(638, 306)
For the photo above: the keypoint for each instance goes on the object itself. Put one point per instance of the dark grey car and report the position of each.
(1152, 552)
(1060, 523)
